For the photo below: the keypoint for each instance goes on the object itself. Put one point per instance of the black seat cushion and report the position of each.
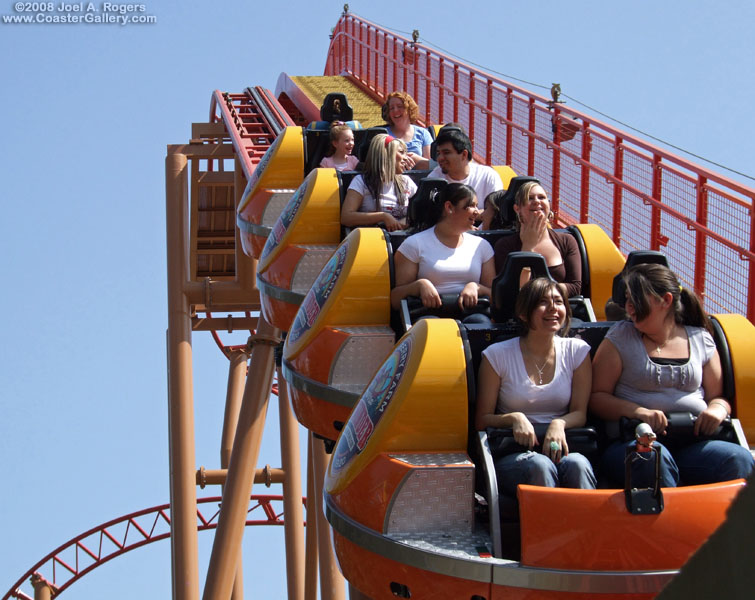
(506, 284)
(336, 107)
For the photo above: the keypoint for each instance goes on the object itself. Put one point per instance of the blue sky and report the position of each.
(87, 113)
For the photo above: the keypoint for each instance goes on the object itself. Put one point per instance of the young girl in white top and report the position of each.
(339, 156)
(380, 195)
(539, 377)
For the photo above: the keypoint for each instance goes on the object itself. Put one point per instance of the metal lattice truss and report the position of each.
(87, 551)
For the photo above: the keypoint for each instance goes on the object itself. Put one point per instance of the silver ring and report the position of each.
(555, 446)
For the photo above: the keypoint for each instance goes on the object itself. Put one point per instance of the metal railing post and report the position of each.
(584, 188)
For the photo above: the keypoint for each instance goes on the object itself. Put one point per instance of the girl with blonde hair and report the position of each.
(380, 195)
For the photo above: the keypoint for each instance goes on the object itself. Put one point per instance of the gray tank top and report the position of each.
(670, 388)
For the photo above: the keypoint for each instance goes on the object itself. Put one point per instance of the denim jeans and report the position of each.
(533, 468)
(477, 319)
(707, 461)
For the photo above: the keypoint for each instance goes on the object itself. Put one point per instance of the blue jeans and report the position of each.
(477, 319)
(707, 461)
(533, 468)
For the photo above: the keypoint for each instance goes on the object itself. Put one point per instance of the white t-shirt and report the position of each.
(540, 403)
(449, 269)
(482, 179)
(388, 200)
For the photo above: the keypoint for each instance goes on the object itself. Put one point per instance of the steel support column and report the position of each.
(310, 566)
(293, 524)
(331, 580)
(183, 492)
(226, 547)
(234, 395)
(42, 589)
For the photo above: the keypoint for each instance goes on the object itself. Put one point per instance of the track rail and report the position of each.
(253, 119)
(644, 197)
(65, 565)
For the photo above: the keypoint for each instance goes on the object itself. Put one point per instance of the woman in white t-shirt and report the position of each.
(539, 377)
(380, 195)
(445, 258)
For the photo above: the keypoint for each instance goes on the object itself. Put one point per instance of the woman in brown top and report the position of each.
(533, 211)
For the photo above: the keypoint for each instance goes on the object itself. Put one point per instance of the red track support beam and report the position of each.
(530, 138)
(361, 46)
(556, 184)
(618, 195)
(441, 91)
(509, 128)
(428, 87)
(404, 72)
(456, 93)
(584, 205)
(471, 117)
(489, 124)
(700, 238)
(656, 240)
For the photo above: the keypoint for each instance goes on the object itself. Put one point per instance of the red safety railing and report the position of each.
(643, 196)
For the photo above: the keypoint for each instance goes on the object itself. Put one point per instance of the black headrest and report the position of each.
(336, 107)
(421, 202)
(434, 145)
(366, 140)
(506, 203)
(506, 284)
(726, 365)
(636, 257)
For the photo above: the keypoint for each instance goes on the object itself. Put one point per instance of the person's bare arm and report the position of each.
(473, 290)
(488, 384)
(352, 217)
(577, 415)
(718, 408)
(407, 284)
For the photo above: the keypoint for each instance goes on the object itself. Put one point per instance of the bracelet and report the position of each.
(720, 403)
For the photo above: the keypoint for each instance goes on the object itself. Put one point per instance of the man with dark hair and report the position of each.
(455, 165)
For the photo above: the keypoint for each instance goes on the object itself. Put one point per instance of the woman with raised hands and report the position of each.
(534, 234)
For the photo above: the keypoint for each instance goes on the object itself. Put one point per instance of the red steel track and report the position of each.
(253, 119)
(87, 551)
